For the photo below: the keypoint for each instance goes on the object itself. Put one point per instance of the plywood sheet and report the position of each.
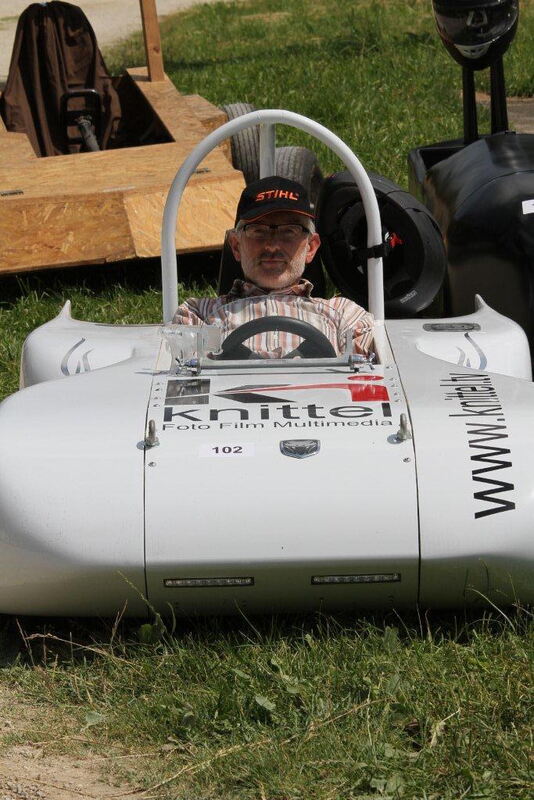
(64, 231)
(168, 104)
(209, 115)
(14, 147)
(211, 118)
(130, 169)
(108, 205)
(206, 213)
(120, 225)
(178, 111)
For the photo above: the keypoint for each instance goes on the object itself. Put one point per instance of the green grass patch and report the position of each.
(293, 708)
(375, 73)
(114, 294)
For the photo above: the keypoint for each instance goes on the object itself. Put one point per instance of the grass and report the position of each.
(113, 294)
(374, 72)
(322, 707)
(291, 708)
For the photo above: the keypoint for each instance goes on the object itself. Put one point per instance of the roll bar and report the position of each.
(266, 119)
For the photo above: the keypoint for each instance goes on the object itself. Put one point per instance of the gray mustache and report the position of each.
(276, 254)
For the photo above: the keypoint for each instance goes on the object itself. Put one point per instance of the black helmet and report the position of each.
(476, 33)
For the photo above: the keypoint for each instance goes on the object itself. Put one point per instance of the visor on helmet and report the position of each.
(476, 26)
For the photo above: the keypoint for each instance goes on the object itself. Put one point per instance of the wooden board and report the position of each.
(14, 146)
(81, 229)
(178, 112)
(151, 34)
(130, 169)
(108, 205)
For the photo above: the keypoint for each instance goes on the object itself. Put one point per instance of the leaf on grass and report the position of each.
(94, 718)
(188, 718)
(149, 634)
(290, 684)
(265, 703)
(277, 667)
(391, 640)
(240, 674)
(378, 783)
(436, 731)
(393, 752)
(467, 775)
(292, 688)
(393, 683)
(222, 725)
(168, 748)
(395, 784)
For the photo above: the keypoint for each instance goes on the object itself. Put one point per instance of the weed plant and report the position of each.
(327, 707)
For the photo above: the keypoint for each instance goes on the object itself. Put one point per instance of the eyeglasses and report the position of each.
(285, 233)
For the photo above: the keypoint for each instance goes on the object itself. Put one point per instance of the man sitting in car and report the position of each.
(274, 238)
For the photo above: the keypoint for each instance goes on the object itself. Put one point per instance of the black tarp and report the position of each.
(55, 51)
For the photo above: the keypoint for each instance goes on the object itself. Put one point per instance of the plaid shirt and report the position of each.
(336, 318)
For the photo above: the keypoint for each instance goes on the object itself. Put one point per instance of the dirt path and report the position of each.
(33, 772)
(28, 774)
(111, 20)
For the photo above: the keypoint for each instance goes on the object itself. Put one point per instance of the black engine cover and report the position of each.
(482, 197)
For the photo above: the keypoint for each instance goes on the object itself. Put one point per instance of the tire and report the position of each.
(301, 165)
(414, 266)
(245, 144)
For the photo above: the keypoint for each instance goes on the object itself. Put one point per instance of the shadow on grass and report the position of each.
(325, 49)
(136, 276)
(39, 641)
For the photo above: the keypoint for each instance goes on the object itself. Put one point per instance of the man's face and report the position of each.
(272, 263)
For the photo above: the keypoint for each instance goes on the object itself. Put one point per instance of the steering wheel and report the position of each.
(314, 344)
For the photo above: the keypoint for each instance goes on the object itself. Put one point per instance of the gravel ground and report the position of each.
(111, 20)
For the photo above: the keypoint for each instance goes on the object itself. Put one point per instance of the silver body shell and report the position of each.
(122, 482)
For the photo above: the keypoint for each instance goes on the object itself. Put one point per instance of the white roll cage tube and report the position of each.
(266, 119)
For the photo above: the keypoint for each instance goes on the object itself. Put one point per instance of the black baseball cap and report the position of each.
(272, 194)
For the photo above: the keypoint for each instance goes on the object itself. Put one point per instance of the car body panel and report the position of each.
(94, 511)
(276, 518)
(473, 440)
(71, 493)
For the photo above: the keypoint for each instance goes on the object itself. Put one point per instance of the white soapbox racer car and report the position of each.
(137, 467)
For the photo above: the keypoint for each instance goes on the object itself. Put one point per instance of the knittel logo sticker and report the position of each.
(361, 388)
(268, 404)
